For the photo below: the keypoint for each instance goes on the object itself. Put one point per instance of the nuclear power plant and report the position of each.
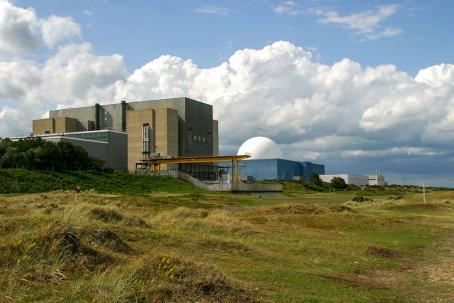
(122, 134)
(175, 136)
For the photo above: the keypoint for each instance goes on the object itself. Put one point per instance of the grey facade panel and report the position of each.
(85, 115)
(110, 147)
(196, 129)
(111, 117)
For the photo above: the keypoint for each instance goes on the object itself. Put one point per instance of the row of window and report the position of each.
(146, 139)
(199, 138)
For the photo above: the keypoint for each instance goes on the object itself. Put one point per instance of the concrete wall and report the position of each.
(107, 146)
(43, 126)
(163, 136)
(67, 124)
(56, 125)
(195, 124)
(85, 115)
(110, 117)
(134, 122)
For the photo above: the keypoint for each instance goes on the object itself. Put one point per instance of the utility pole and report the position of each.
(424, 192)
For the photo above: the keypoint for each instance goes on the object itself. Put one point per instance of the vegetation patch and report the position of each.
(382, 252)
(110, 240)
(105, 215)
(214, 220)
(361, 199)
(296, 209)
(342, 209)
(209, 247)
(170, 279)
(418, 207)
(34, 181)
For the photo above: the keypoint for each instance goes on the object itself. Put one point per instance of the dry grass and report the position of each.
(219, 220)
(224, 248)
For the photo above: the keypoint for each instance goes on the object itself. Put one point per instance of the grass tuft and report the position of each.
(105, 215)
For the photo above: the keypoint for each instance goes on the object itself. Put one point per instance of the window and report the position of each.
(146, 140)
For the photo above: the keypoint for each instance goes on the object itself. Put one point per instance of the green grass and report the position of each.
(26, 181)
(177, 244)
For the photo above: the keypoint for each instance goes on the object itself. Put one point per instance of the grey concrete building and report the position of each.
(106, 145)
(168, 127)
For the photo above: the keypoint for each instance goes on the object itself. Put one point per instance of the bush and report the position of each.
(338, 183)
(38, 154)
(361, 199)
(315, 179)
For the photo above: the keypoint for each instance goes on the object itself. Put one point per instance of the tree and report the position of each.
(315, 178)
(36, 153)
(338, 183)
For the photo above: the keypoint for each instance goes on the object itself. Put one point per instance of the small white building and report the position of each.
(357, 180)
(377, 180)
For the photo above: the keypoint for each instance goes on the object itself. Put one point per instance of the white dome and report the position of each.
(260, 148)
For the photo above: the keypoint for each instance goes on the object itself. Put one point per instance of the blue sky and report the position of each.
(357, 85)
(142, 30)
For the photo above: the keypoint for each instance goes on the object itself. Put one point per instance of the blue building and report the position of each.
(278, 169)
(265, 162)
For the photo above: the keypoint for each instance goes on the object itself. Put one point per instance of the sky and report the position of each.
(356, 85)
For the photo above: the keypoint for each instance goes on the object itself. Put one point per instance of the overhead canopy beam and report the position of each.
(186, 160)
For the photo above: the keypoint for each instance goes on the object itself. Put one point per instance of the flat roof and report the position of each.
(107, 104)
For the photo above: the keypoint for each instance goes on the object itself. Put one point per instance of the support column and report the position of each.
(233, 172)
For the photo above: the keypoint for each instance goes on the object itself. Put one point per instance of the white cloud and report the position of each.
(22, 31)
(74, 76)
(213, 10)
(343, 114)
(366, 24)
(278, 91)
(289, 7)
(19, 29)
(56, 29)
(316, 111)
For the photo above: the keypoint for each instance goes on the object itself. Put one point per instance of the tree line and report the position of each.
(38, 154)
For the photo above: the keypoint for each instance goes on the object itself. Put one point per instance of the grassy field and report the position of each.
(27, 181)
(185, 245)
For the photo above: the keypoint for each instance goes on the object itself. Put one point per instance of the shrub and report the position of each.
(315, 178)
(361, 199)
(36, 153)
(338, 183)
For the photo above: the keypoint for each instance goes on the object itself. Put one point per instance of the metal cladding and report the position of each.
(279, 169)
